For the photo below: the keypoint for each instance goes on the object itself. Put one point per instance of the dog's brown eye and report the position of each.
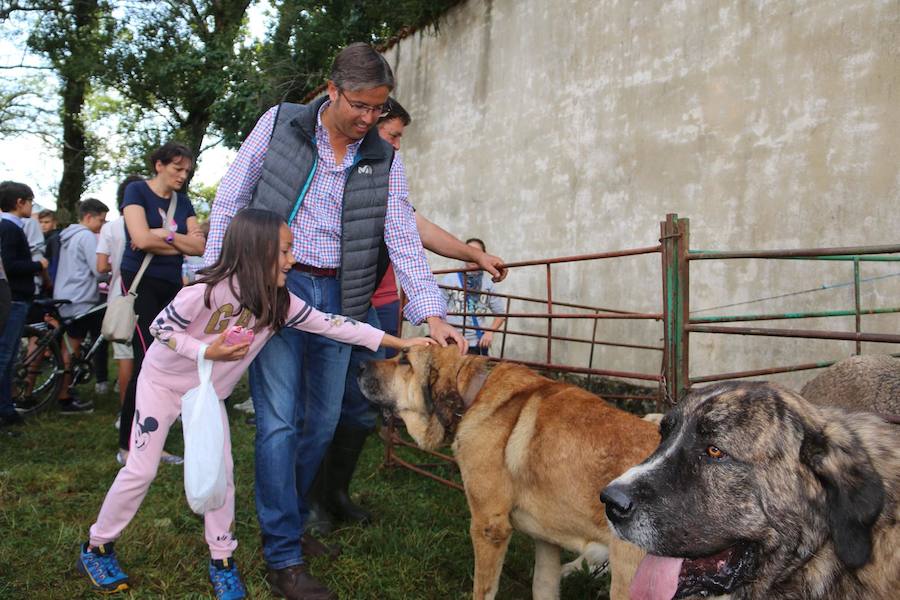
(714, 452)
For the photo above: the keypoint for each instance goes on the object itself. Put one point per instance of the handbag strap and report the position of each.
(173, 201)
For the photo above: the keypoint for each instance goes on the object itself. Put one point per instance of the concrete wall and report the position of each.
(554, 128)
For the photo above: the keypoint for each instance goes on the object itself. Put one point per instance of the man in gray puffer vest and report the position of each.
(343, 192)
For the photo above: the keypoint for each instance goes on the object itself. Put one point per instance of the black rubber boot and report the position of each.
(319, 522)
(340, 463)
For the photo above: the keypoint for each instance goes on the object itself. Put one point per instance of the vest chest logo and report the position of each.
(364, 170)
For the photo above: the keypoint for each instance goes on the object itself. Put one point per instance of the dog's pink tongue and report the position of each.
(656, 578)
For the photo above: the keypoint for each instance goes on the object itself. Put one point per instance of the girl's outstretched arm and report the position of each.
(337, 327)
(390, 341)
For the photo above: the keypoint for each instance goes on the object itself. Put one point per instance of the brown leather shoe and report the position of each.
(295, 583)
(313, 547)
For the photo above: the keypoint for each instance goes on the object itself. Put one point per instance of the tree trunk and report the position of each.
(72, 184)
(74, 55)
(227, 18)
(191, 134)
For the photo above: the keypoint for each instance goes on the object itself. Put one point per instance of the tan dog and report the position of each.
(757, 493)
(533, 453)
(867, 382)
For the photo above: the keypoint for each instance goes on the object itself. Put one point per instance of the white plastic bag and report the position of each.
(204, 439)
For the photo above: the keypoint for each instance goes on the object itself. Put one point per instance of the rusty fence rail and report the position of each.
(596, 314)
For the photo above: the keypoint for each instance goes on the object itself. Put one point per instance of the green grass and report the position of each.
(54, 477)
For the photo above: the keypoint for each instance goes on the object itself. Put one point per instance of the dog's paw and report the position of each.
(572, 566)
(595, 557)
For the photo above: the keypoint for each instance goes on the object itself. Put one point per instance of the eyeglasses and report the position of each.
(362, 108)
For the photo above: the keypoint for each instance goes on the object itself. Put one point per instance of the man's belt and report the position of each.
(317, 271)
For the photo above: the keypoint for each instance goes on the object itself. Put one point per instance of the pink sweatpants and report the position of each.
(156, 408)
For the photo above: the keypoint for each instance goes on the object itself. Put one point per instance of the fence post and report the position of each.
(590, 376)
(388, 438)
(674, 240)
(856, 300)
(684, 300)
(505, 329)
(549, 320)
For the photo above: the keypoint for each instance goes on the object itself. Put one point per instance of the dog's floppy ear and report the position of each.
(428, 379)
(854, 490)
(437, 388)
(444, 400)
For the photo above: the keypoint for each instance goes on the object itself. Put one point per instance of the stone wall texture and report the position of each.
(556, 128)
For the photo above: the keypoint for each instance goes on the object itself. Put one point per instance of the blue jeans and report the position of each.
(297, 383)
(9, 353)
(356, 410)
(389, 317)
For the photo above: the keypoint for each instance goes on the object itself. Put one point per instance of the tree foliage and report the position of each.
(72, 38)
(23, 109)
(132, 74)
(173, 61)
(302, 41)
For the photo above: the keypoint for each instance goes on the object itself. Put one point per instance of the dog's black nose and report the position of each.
(619, 505)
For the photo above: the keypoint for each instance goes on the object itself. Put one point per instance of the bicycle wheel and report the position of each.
(38, 375)
(83, 364)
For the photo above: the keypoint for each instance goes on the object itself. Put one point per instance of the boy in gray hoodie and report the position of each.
(77, 279)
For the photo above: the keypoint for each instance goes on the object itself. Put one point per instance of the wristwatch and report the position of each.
(170, 238)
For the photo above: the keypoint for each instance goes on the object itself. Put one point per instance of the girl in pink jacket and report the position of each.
(235, 291)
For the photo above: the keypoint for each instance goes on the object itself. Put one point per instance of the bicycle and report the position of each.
(38, 374)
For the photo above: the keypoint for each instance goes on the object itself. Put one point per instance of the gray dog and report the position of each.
(757, 493)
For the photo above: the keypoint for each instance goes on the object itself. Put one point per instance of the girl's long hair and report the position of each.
(250, 258)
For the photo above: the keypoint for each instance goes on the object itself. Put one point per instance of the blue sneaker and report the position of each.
(101, 566)
(226, 581)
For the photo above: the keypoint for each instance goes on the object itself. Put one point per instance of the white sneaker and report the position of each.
(245, 406)
(171, 459)
(120, 457)
(101, 387)
(118, 422)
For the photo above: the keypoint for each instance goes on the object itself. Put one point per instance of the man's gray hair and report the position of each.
(360, 67)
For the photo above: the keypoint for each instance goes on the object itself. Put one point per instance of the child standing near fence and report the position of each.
(234, 291)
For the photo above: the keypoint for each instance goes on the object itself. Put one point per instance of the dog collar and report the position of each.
(476, 382)
(475, 385)
(451, 418)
